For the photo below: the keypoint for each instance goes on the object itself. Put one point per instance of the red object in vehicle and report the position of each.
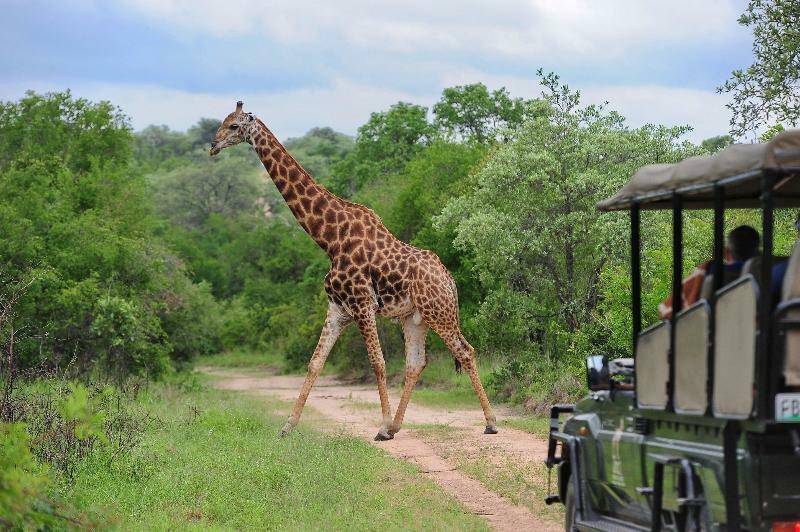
(786, 526)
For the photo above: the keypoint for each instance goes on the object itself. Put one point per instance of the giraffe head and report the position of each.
(234, 129)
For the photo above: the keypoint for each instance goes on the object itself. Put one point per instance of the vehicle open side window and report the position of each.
(691, 359)
(735, 337)
(652, 367)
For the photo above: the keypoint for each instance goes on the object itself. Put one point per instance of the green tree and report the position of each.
(85, 135)
(157, 144)
(78, 214)
(530, 225)
(768, 91)
(473, 113)
(225, 185)
(319, 149)
(715, 144)
(203, 132)
(383, 146)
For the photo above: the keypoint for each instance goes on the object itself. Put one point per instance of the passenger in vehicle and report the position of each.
(742, 244)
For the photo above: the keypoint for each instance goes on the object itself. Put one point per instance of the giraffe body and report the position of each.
(372, 274)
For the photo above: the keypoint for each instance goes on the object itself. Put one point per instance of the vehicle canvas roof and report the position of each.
(737, 167)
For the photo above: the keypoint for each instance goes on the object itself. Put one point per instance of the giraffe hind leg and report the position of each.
(437, 301)
(464, 354)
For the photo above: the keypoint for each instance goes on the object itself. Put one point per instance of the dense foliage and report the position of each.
(141, 252)
(77, 224)
(768, 91)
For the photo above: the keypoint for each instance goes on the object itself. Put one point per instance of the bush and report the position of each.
(536, 384)
(238, 327)
(106, 295)
(130, 338)
(23, 482)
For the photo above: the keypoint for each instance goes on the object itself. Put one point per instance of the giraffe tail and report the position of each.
(458, 365)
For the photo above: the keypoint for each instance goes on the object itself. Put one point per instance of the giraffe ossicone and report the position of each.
(372, 273)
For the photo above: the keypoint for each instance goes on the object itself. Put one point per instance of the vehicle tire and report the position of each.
(570, 508)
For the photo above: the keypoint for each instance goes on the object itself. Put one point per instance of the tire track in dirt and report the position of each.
(347, 406)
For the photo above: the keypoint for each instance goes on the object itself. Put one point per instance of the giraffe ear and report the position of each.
(250, 117)
(239, 105)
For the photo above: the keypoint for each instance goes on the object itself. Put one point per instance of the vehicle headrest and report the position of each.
(791, 282)
(752, 265)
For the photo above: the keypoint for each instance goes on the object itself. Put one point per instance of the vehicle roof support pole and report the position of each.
(767, 374)
(719, 237)
(636, 273)
(677, 285)
(718, 259)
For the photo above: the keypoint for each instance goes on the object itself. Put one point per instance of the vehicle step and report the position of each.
(607, 524)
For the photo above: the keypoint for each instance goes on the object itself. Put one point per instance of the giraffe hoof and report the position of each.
(490, 429)
(287, 428)
(383, 435)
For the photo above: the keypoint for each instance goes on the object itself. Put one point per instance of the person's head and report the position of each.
(743, 243)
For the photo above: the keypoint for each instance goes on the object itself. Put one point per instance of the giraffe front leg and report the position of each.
(369, 331)
(415, 362)
(335, 322)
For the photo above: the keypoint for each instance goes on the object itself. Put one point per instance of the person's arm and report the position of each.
(690, 291)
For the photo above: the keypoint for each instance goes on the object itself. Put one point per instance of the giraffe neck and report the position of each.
(308, 200)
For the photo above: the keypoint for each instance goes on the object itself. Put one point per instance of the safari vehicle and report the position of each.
(700, 428)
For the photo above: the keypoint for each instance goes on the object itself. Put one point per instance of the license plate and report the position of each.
(787, 407)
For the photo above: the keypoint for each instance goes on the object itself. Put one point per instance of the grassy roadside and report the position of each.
(262, 360)
(214, 461)
(520, 480)
(439, 386)
(521, 483)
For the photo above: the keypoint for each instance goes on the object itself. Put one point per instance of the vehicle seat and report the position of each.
(791, 290)
(753, 267)
(728, 276)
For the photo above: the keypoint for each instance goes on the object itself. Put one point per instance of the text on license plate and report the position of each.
(787, 407)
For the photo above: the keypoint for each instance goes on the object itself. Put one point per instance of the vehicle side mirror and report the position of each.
(597, 374)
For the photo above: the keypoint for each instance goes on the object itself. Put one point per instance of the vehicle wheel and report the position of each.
(570, 508)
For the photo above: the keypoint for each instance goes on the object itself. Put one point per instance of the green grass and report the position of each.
(244, 359)
(441, 386)
(539, 425)
(521, 483)
(215, 461)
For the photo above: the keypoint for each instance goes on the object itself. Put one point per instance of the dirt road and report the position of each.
(448, 445)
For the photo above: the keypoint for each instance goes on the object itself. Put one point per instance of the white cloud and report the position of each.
(557, 29)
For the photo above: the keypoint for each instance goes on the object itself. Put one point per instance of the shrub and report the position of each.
(131, 339)
(23, 482)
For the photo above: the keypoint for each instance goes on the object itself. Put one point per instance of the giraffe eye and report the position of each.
(234, 126)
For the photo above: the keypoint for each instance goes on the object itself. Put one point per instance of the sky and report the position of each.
(301, 64)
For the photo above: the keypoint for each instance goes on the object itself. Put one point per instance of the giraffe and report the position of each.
(372, 273)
